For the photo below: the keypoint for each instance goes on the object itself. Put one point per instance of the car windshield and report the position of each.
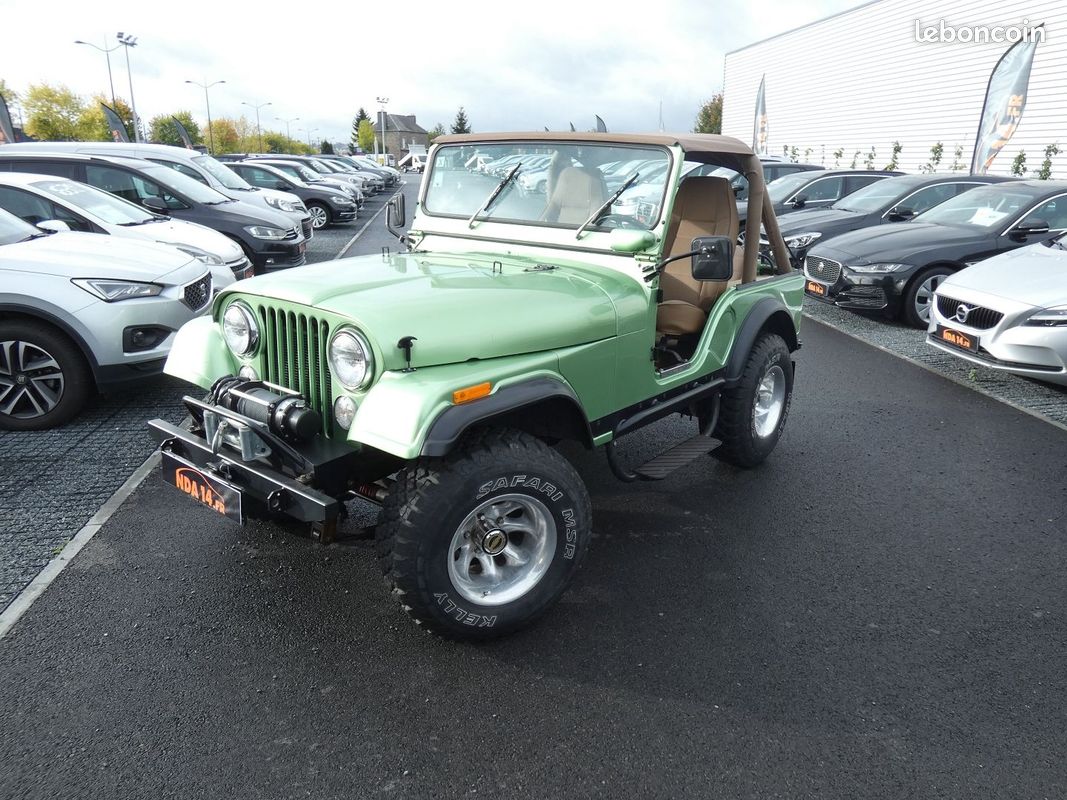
(100, 204)
(783, 188)
(322, 167)
(13, 229)
(227, 177)
(986, 207)
(185, 185)
(298, 171)
(875, 196)
(575, 187)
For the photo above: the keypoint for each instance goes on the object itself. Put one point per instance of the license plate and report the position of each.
(964, 341)
(816, 289)
(202, 487)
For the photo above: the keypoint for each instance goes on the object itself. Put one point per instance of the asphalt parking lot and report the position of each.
(878, 611)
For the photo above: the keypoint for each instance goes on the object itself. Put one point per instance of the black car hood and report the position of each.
(824, 221)
(902, 242)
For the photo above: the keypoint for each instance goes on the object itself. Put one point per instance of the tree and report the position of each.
(438, 130)
(366, 136)
(839, 153)
(326, 148)
(937, 152)
(1018, 164)
(92, 124)
(894, 162)
(709, 118)
(461, 124)
(1045, 172)
(162, 129)
(224, 134)
(868, 163)
(361, 115)
(52, 112)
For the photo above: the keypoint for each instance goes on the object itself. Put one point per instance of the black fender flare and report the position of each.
(767, 313)
(453, 422)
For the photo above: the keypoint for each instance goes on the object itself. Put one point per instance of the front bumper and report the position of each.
(283, 254)
(857, 291)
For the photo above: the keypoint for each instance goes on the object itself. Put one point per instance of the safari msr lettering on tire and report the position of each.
(484, 567)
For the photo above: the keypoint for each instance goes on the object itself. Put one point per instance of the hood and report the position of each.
(822, 220)
(458, 308)
(242, 213)
(90, 255)
(178, 232)
(1035, 275)
(901, 242)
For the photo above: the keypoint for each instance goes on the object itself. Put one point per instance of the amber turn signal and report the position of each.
(471, 393)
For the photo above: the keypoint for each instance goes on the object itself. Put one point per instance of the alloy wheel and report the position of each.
(769, 402)
(320, 217)
(31, 380)
(924, 296)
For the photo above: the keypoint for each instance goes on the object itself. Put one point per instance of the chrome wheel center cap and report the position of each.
(494, 542)
(21, 379)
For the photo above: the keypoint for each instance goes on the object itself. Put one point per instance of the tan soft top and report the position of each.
(690, 142)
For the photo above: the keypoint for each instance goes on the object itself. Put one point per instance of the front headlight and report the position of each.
(879, 268)
(266, 232)
(342, 201)
(1048, 318)
(800, 240)
(202, 256)
(281, 204)
(240, 330)
(350, 359)
(113, 291)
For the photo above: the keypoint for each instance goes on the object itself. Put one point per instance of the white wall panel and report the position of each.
(860, 79)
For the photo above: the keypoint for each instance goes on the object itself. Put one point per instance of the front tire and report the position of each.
(44, 378)
(752, 413)
(920, 295)
(484, 541)
(320, 216)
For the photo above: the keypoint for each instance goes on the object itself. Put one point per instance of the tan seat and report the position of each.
(704, 206)
(577, 193)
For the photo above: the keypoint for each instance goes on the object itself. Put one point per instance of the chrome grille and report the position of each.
(977, 317)
(292, 233)
(822, 269)
(295, 356)
(197, 294)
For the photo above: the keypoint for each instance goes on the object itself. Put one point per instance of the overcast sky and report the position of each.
(552, 63)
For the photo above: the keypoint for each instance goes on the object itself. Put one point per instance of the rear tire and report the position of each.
(44, 378)
(481, 543)
(752, 413)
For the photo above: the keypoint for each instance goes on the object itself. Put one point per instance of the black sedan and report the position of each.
(892, 200)
(815, 189)
(327, 206)
(896, 268)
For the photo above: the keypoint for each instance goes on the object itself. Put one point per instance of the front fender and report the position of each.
(199, 355)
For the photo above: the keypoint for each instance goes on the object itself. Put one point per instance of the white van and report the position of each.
(191, 163)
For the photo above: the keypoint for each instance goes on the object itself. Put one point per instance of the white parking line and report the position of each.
(21, 604)
(366, 224)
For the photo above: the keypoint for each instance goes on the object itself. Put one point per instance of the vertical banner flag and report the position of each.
(759, 127)
(600, 126)
(114, 122)
(182, 133)
(572, 127)
(7, 131)
(1005, 99)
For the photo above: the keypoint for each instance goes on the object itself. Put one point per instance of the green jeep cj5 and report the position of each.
(552, 286)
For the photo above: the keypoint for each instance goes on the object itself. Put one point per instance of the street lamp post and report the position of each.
(384, 102)
(309, 137)
(128, 41)
(107, 54)
(287, 122)
(207, 101)
(259, 130)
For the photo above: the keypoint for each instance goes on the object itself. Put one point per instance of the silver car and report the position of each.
(1008, 313)
(84, 312)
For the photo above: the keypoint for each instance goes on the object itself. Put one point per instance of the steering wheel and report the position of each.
(618, 221)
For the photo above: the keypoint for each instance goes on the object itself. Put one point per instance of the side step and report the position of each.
(678, 456)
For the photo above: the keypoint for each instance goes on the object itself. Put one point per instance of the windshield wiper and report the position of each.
(495, 194)
(607, 204)
(40, 235)
(219, 202)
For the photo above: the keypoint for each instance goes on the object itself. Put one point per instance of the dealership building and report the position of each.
(907, 71)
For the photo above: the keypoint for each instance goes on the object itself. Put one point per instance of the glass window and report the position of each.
(876, 196)
(925, 199)
(130, 186)
(25, 205)
(258, 176)
(986, 207)
(824, 189)
(13, 229)
(194, 190)
(219, 172)
(1054, 212)
(785, 187)
(565, 189)
(184, 169)
(100, 204)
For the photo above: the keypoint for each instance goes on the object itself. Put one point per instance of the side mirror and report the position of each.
(800, 200)
(155, 204)
(713, 258)
(398, 216)
(282, 186)
(1029, 227)
(900, 213)
(53, 225)
(628, 240)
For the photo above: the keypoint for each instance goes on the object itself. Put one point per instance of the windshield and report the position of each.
(298, 171)
(985, 207)
(13, 229)
(320, 166)
(567, 193)
(876, 196)
(185, 185)
(100, 204)
(783, 188)
(227, 177)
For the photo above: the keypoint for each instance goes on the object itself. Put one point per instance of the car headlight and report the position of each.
(239, 329)
(202, 256)
(113, 291)
(879, 268)
(342, 201)
(282, 204)
(266, 232)
(800, 240)
(350, 359)
(1048, 318)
